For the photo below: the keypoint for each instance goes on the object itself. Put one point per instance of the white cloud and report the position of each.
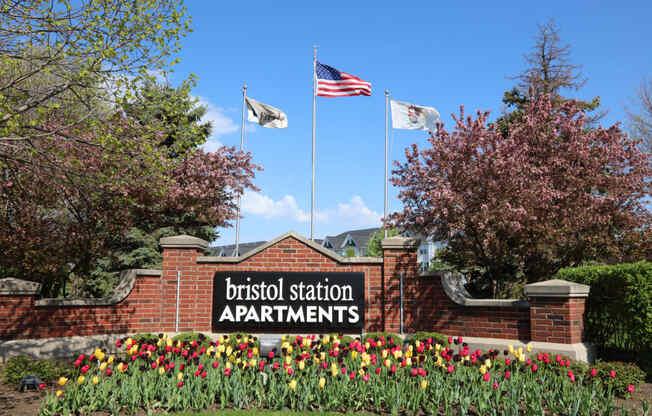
(354, 213)
(222, 124)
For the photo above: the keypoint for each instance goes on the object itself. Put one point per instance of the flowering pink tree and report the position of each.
(551, 194)
(67, 201)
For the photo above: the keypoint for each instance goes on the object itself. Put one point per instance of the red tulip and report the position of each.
(378, 370)
(495, 385)
(352, 375)
(507, 361)
(172, 365)
(486, 376)
(180, 384)
(227, 371)
(630, 388)
(593, 372)
(612, 374)
(181, 367)
(203, 374)
(290, 371)
(366, 378)
(534, 367)
(413, 372)
(270, 355)
(200, 366)
(77, 363)
(508, 374)
(153, 365)
(393, 368)
(450, 340)
(108, 371)
(85, 369)
(118, 343)
(197, 373)
(42, 386)
(451, 368)
(216, 364)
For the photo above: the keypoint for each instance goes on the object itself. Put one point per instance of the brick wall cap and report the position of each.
(291, 234)
(11, 286)
(400, 243)
(183, 241)
(453, 285)
(557, 288)
(120, 293)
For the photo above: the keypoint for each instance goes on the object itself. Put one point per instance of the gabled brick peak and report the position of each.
(292, 234)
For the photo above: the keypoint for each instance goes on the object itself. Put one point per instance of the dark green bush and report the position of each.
(423, 337)
(619, 307)
(188, 337)
(48, 371)
(626, 374)
(385, 335)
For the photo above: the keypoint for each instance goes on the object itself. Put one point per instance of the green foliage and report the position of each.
(349, 252)
(423, 337)
(626, 374)
(189, 337)
(386, 336)
(374, 249)
(619, 308)
(46, 370)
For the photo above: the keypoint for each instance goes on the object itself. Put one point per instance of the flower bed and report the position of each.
(376, 374)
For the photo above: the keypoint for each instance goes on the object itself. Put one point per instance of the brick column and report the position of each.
(557, 311)
(399, 256)
(195, 299)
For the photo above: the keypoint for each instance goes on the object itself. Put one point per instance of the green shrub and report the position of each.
(626, 374)
(145, 337)
(188, 337)
(47, 371)
(423, 337)
(619, 307)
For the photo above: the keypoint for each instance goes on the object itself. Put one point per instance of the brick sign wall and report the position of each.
(146, 300)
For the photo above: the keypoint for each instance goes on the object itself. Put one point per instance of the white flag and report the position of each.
(413, 117)
(266, 115)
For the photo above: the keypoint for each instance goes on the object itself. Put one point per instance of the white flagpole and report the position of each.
(314, 117)
(386, 155)
(242, 132)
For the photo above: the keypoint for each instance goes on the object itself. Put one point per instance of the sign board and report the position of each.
(262, 301)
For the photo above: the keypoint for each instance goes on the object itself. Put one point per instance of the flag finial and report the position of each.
(386, 92)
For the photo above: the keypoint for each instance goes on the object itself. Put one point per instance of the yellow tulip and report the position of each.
(103, 366)
(255, 351)
(322, 356)
(384, 354)
(229, 350)
(302, 365)
(293, 384)
(333, 372)
(253, 362)
(529, 348)
(361, 372)
(110, 360)
(408, 361)
(424, 384)
(521, 358)
(437, 347)
(410, 347)
(510, 349)
(387, 363)
(483, 369)
(283, 337)
(96, 380)
(354, 354)
(80, 379)
(161, 371)
(288, 359)
(290, 349)
(179, 376)
(62, 381)
(59, 393)
(322, 382)
(129, 341)
(367, 345)
(487, 363)
(327, 339)
(228, 365)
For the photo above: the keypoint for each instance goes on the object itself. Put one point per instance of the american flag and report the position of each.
(333, 83)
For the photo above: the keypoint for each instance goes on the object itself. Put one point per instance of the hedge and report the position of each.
(619, 307)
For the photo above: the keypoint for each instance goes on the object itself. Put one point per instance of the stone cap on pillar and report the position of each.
(183, 241)
(397, 243)
(557, 289)
(12, 286)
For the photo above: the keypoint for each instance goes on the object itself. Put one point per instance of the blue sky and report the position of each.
(437, 55)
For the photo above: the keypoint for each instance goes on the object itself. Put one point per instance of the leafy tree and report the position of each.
(548, 71)
(551, 194)
(640, 120)
(178, 117)
(56, 57)
(374, 248)
(349, 252)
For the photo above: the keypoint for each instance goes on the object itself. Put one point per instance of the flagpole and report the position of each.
(386, 156)
(242, 132)
(314, 117)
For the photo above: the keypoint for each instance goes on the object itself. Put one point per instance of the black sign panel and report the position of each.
(288, 301)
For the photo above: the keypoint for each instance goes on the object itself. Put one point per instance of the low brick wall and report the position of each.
(145, 300)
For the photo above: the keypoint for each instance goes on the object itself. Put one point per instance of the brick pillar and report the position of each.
(557, 311)
(180, 255)
(399, 256)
